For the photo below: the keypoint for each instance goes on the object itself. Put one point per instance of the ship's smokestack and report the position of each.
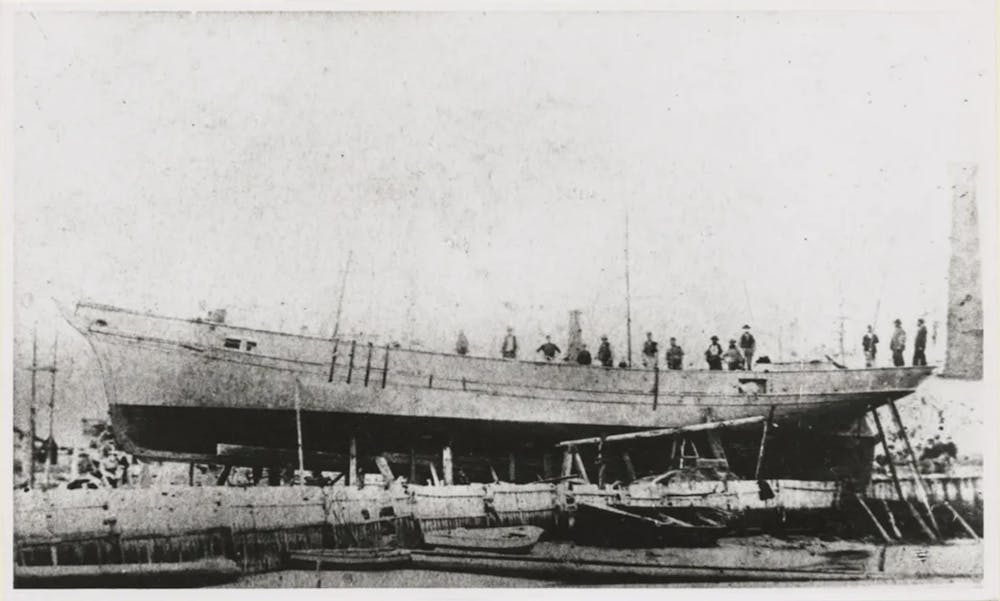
(964, 358)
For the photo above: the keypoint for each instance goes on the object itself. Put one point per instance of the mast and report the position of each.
(340, 299)
(31, 415)
(628, 296)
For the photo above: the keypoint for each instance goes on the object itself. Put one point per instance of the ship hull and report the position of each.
(176, 392)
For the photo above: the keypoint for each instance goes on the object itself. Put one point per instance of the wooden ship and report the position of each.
(202, 390)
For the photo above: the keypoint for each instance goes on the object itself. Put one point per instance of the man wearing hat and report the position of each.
(604, 354)
(748, 345)
(898, 344)
(733, 356)
(713, 355)
(920, 344)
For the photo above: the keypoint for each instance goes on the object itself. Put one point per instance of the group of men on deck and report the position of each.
(739, 354)
(897, 344)
(735, 357)
(674, 355)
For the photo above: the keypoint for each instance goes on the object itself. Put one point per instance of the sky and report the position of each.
(781, 169)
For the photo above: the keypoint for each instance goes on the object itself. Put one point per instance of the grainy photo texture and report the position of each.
(502, 299)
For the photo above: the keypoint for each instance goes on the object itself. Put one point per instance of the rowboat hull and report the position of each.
(512, 539)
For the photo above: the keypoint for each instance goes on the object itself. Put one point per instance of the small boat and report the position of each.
(184, 574)
(510, 539)
(349, 559)
(615, 527)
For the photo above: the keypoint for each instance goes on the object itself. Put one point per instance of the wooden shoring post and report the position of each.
(383, 467)
(627, 459)
(191, 474)
(547, 465)
(924, 493)
(511, 467)
(567, 462)
(656, 384)
(298, 429)
(224, 476)
(352, 464)
(892, 519)
(578, 459)
(601, 467)
(895, 478)
(350, 361)
(413, 466)
(493, 474)
(333, 359)
(763, 443)
(385, 366)
(961, 520)
(871, 515)
(368, 364)
(434, 474)
(446, 467)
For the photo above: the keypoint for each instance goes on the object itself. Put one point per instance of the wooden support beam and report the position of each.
(223, 476)
(383, 467)
(875, 522)
(580, 467)
(895, 478)
(547, 471)
(413, 466)
(493, 474)
(352, 463)
(567, 463)
(446, 467)
(434, 474)
(628, 465)
(763, 443)
(731, 423)
(924, 493)
(892, 519)
(511, 467)
(191, 474)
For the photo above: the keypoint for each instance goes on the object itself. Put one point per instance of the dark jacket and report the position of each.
(920, 342)
(604, 354)
(583, 357)
(650, 348)
(870, 343)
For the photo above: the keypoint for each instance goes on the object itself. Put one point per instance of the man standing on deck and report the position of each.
(462, 344)
(748, 344)
(509, 348)
(650, 351)
(549, 349)
(714, 355)
(675, 355)
(734, 359)
(870, 345)
(604, 354)
(920, 344)
(898, 344)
